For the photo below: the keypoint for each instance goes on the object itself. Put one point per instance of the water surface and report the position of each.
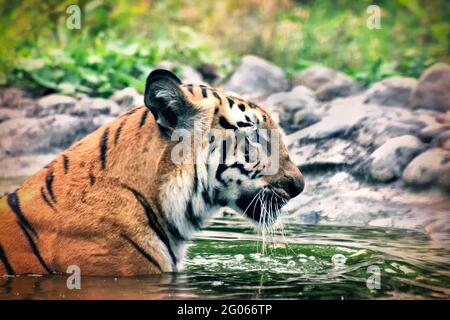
(226, 261)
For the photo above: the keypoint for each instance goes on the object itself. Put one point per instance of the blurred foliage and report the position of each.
(120, 41)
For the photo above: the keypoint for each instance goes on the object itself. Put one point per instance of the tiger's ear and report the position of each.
(165, 99)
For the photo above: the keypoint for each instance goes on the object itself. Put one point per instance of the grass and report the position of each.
(120, 42)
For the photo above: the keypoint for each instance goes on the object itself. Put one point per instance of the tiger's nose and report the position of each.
(292, 183)
(295, 185)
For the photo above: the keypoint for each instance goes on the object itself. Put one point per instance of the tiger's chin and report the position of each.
(264, 205)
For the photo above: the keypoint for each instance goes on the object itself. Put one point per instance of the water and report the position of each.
(225, 261)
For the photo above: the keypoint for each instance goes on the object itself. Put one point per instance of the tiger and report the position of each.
(116, 204)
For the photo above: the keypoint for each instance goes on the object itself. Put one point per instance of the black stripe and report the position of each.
(241, 107)
(206, 197)
(217, 96)
(230, 102)
(66, 164)
(195, 182)
(13, 202)
(241, 124)
(44, 197)
(193, 219)
(204, 92)
(118, 132)
(35, 249)
(144, 117)
(4, 259)
(190, 88)
(49, 184)
(225, 124)
(153, 222)
(142, 252)
(241, 168)
(91, 179)
(104, 147)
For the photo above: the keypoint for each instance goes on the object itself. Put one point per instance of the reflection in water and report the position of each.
(224, 261)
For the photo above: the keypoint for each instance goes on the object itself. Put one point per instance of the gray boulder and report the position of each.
(52, 104)
(284, 106)
(6, 114)
(92, 107)
(442, 140)
(127, 98)
(386, 123)
(256, 78)
(432, 128)
(15, 98)
(22, 166)
(327, 155)
(303, 119)
(391, 92)
(387, 162)
(326, 83)
(42, 135)
(340, 119)
(433, 90)
(186, 73)
(431, 168)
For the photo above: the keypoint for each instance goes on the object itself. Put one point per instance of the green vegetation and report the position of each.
(120, 41)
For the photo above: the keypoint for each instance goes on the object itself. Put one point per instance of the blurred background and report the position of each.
(365, 112)
(120, 41)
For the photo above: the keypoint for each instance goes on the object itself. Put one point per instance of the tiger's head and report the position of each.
(224, 151)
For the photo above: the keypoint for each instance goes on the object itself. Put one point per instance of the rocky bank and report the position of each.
(377, 156)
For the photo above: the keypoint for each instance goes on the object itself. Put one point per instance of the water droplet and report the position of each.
(217, 283)
(302, 260)
(312, 258)
(291, 263)
(239, 257)
(256, 256)
(338, 260)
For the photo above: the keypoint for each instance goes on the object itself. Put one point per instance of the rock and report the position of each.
(209, 72)
(386, 123)
(429, 168)
(433, 90)
(442, 140)
(326, 155)
(127, 98)
(432, 127)
(256, 78)
(6, 114)
(23, 166)
(392, 91)
(303, 119)
(342, 116)
(387, 162)
(42, 135)
(284, 105)
(101, 120)
(186, 73)
(51, 105)
(92, 107)
(15, 98)
(443, 118)
(327, 83)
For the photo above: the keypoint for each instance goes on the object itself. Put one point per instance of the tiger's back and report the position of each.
(41, 220)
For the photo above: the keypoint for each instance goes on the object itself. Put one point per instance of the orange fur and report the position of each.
(83, 208)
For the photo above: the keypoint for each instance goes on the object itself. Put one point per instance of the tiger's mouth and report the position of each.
(264, 206)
